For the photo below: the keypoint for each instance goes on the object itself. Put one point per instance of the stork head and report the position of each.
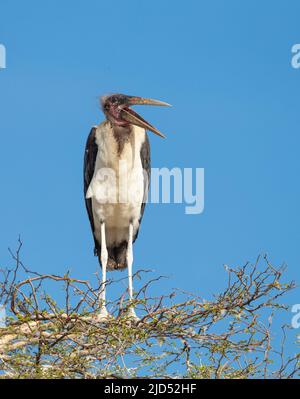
(116, 108)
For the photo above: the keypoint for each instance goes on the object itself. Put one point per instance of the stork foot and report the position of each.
(103, 315)
(132, 315)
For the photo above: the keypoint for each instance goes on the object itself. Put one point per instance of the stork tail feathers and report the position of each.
(116, 257)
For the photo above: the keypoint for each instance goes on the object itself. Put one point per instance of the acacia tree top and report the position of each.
(179, 334)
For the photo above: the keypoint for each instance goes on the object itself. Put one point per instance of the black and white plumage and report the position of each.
(116, 243)
(116, 182)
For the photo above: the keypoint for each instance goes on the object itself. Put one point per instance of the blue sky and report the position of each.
(225, 66)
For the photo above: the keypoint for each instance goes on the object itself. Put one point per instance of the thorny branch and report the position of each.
(178, 335)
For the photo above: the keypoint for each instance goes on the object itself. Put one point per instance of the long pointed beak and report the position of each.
(132, 117)
(146, 101)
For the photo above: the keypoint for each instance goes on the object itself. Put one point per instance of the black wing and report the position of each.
(90, 155)
(146, 163)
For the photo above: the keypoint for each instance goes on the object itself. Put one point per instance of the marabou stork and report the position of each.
(116, 183)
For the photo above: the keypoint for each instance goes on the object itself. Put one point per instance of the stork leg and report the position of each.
(104, 257)
(129, 258)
